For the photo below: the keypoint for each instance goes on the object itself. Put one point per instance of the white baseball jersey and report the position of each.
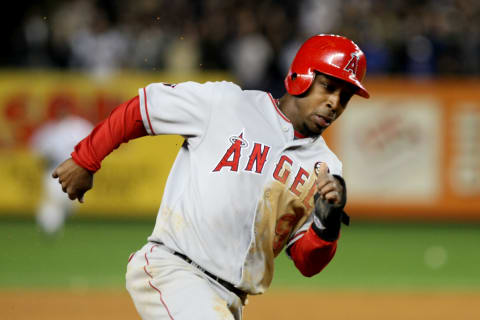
(241, 186)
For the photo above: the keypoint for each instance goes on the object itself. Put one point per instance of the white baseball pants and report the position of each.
(164, 286)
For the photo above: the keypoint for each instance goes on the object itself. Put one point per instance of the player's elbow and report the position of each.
(308, 274)
(310, 270)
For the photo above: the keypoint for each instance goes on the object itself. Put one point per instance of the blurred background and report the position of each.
(411, 153)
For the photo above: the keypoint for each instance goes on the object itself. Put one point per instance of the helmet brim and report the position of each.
(347, 77)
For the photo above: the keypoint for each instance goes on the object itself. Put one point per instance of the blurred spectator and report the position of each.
(249, 53)
(53, 142)
(319, 16)
(420, 56)
(183, 53)
(67, 19)
(35, 31)
(99, 49)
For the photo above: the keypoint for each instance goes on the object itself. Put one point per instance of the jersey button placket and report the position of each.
(267, 194)
(287, 131)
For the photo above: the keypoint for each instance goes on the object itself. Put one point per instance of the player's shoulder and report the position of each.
(206, 87)
(230, 91)
(224, 85)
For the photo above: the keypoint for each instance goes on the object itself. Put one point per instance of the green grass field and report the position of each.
(371, 256)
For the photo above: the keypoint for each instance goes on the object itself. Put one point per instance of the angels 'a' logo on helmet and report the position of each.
(352, 64)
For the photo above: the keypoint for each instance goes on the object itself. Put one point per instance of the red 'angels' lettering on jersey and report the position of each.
(235, 150)
(257, 156)
(276, 174)
(352, 64)
(300, 179)
(231, 158)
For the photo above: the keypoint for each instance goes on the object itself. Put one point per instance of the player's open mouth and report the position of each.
(322, 121)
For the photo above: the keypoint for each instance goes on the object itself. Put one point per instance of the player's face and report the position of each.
(323, 103)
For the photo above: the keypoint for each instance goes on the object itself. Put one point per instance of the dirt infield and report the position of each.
(278, 305)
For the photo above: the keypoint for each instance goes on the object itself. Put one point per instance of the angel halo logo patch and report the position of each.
(239, 139)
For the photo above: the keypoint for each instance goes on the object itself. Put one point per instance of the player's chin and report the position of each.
(316, 129)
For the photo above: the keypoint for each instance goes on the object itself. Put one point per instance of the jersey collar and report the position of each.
(276, 103)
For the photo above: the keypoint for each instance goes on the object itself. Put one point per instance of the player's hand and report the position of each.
(74, 179)
(329, 201)
(328, 187)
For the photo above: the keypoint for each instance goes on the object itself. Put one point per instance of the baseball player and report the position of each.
(53, 142)
(254, 176)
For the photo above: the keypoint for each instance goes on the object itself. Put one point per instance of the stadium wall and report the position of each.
(412, 151)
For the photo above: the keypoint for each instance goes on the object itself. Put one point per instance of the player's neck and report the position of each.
(287, 107)
(296, 134)
(283, 104)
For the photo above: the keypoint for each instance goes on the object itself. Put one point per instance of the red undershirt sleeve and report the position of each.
(311, 254)
(123, 124)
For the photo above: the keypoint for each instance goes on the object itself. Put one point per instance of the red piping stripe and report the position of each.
(278, 110)
(148, 273)
(146, 111)
(298, 135)
(155, 288)
(161, 299)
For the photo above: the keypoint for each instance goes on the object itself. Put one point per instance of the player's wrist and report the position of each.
(329, 232)
(81, 163)
(343, 192)
(328, 217)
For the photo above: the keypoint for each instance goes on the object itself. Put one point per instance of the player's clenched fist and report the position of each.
(74, 179)
(329, 203)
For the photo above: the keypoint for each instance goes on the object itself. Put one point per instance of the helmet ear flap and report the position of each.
(296, 83)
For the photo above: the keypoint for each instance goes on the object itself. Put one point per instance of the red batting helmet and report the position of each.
(332, 55)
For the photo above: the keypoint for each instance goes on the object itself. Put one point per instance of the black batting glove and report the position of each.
(328, 217)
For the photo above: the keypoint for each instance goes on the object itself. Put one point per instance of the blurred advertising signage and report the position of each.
(395, 148)
(465, 169)
(413, 155)
(26, 106)
(29, 99)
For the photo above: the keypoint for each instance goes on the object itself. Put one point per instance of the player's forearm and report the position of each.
(311, 254)
(123, 124)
